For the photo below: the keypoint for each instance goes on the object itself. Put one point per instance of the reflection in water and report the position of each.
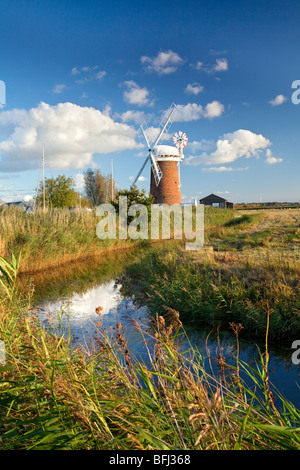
(75, 294)
(78, 315)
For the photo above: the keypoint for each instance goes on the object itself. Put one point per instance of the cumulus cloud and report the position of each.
(213, 109)
(164, 63)
(270, 159)
(71, 135)
(231, 147)
(221, 65)
(194, 88)
(134, 94)
(194, 111)
(278, 100)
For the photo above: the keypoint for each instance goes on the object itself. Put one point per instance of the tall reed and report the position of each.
(53, 397)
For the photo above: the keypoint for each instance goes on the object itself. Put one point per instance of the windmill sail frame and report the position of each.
(164, 126)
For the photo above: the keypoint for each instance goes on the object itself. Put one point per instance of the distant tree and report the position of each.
(98, 188)
(134, 196)
(59, 192)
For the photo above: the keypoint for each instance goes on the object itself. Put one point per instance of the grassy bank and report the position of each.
(54, 398)
(59, 236)
(249, 267)
(52, 238)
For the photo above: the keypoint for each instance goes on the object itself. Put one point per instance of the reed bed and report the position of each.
(53, 397)
(101, 397)
(52, 238)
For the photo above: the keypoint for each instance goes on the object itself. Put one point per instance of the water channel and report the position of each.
(68, 298)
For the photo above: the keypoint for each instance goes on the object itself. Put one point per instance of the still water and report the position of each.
(68, 299)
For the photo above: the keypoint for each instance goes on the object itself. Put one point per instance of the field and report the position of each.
(245, 278)
(248, 267)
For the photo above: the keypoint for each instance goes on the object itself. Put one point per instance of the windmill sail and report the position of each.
(164, 126)
(157, 173)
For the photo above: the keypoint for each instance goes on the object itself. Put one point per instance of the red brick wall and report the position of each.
(168, 191)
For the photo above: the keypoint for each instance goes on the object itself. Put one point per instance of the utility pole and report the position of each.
(44, 199)
(112, 182)
(79, 187)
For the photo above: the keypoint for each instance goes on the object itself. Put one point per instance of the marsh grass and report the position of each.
(52, 238)
(229, 279)
(55, 397)
(52, 397)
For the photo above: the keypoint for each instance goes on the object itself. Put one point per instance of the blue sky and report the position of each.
(81, 76)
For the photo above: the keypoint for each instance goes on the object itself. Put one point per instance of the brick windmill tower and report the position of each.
(165, 164)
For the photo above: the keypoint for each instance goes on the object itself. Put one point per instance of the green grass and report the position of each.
(241, 269)
(55, 398)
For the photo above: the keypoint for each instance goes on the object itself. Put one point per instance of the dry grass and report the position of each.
(53, 238)
(230, 278)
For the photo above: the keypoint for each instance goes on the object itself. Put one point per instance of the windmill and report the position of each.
(164, 125)
(164, 161)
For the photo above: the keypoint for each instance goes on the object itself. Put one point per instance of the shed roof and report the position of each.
(213, 196)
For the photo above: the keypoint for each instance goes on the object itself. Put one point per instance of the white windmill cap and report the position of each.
(166, 151)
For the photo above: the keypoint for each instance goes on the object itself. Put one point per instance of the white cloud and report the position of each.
(220, 169)
(203, 145)
(133, 116)
(241, 143)
(164, 63)
(59, 88)
(88, 74)
(140, 178)
(100, 75)
(231, 147)
(198, 65)
(278, 100)
(194, 88)
(213, 109)
(194, 111)
(71, 135)
(27, 198)
(221, 65)
(134, 94)
(270, 159)
(152, 134)
(217, 169)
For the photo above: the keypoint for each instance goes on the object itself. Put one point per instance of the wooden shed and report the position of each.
(216, 201)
